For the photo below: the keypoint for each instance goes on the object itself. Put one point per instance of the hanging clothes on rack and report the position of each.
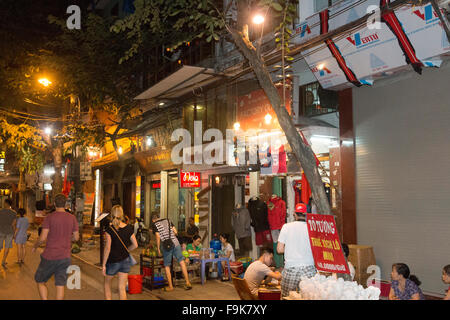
(241, 222)
(276, 213)
(259, 221)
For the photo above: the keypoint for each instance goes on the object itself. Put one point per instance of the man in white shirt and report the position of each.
(258, 270)
(294, 243)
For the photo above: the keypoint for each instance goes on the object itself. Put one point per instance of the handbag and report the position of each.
(168, 243)
(132, 260)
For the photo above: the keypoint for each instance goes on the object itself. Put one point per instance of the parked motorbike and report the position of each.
(142, 233)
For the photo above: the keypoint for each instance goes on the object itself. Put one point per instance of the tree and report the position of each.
(26, 145)
(83, 66)
(192, 19)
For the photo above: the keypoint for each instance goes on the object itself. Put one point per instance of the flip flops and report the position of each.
(165, 289)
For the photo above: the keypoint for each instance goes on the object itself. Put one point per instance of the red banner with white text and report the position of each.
(325, 244)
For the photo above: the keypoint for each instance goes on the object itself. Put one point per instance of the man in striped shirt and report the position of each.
(164, 230)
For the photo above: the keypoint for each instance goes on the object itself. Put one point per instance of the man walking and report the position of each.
(59, 228)
(7, 229)
(294, 243)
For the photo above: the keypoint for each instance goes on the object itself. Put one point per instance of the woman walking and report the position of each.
(120, 240)
(20, 236)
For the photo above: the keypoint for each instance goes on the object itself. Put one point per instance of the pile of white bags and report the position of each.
(321, 287)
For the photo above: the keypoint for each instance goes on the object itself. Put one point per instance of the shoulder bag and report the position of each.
(133, 261)
(168, 243)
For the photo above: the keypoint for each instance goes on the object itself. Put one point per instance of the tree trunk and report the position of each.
(21, 189)
(303, 152)
(57, 185)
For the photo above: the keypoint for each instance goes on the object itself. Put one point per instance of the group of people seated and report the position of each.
(404, 286)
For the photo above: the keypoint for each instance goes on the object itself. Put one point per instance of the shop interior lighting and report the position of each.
(149, 141)
(321, 66)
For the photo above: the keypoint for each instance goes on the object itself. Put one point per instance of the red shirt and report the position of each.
(61, 226)
(276, 213)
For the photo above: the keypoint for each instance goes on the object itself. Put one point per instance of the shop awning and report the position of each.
(179, 83)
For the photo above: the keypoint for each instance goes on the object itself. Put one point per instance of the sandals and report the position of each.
(187, 287)
(165, 289)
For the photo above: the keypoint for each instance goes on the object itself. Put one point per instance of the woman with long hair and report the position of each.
(120, 241)
(404, 285)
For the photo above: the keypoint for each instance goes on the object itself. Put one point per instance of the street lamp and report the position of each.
(45, 82)
(258, 19)
(48, 131)
(236, 126)
(268, 118)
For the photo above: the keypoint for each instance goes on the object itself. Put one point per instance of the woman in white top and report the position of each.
(229, 253)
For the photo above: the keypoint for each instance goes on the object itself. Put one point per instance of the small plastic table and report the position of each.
(219, 266)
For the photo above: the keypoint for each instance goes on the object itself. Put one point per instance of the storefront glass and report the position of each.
(176, 204)
(155, 196)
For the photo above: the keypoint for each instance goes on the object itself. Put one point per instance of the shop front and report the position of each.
(161, 190)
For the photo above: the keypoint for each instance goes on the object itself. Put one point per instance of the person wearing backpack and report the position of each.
(167, 242)
(120, 240)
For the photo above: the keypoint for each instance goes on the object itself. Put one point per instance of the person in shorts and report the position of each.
(163, 229)
(21, 236)
(59, 229)
(7, 229)
(293, 241)
(116, 258)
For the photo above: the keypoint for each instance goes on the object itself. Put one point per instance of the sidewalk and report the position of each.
(211, 290)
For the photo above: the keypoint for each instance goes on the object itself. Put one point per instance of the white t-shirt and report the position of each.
(352, 270)
(227, 249)
(297, 249)
(256, 272)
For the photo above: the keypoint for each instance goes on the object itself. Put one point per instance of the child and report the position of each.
(227, 248)
(446, 279)
(20, 236)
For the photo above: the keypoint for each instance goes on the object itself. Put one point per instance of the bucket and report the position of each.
(135, 284)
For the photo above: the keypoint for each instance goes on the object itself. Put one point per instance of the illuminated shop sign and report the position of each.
(190, 179)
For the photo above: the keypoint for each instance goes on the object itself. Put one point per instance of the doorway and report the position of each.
(222, 207)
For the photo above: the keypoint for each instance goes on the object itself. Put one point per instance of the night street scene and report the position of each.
(234, 157)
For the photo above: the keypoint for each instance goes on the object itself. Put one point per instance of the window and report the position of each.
(314, 100)
(320, 5)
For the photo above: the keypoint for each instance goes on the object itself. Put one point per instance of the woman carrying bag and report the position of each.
(120, 240)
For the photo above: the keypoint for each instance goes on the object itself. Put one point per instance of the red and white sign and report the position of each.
(325, 245)
(190, 179)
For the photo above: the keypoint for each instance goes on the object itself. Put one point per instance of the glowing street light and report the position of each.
(45, 82)
(268, 118)
(120, 150)
(258, 19)
(236, 126)
(48, 131)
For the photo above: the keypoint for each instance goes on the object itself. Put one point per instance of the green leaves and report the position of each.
(276, 6)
